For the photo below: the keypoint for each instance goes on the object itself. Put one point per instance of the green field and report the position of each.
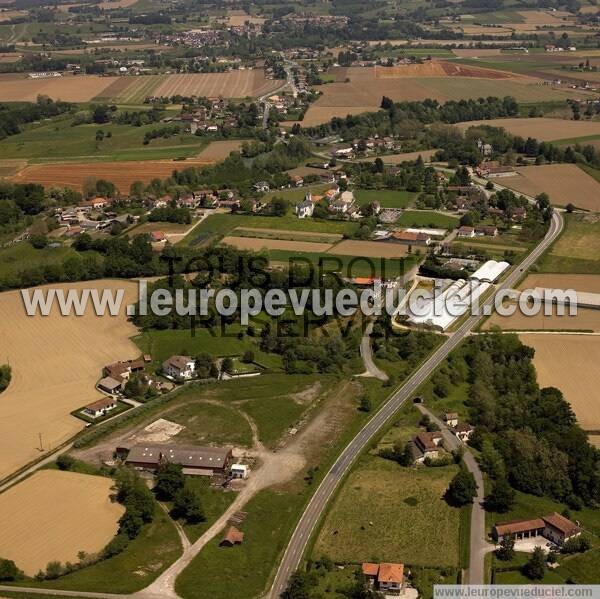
(57, 140)
(388, 513)
(386, 198)
(270, 519)
(220, 225)
(296, 194)
(427, 218)
(578, 248)
(217, 342)
(211, 424)
(23, 255)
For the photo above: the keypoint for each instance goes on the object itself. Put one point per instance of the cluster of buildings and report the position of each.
(367, 147)
(554, 528)
(477, 231)
(339, 202)
(429, 445)
(209, 119)
(441, 310)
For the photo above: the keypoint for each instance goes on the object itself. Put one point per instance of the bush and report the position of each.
(578, 544)
(9, 570)
(65, 462)
(462, 489)
(188, 505)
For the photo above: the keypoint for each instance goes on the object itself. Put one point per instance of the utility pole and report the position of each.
(41, 444)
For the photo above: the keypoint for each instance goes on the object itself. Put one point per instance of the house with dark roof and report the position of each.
(179, 367)
(194, 460)
(426, 445)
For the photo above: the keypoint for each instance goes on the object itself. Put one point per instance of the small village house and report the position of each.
(386, 577)
(100, 407)
(465, 231)
(451, 419)
(179, 367)
(463, 431)
(426, 446)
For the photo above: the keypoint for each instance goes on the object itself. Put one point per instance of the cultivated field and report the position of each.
(358, 89)
(571, 363)
(219, 150)
(81, 88)
(388, 513)
(10, 167)
(542, 129)
(234, 84)
(583, 283)
(53, 516)
(130, 90)
(287, 235)
(122, 174)
(370, 249)
(56, 363)
(564, 183)
(256, 244)
(578, 248)
(585, 320)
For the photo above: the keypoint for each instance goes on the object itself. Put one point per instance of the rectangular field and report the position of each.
(388, 513)
(53, 516)
(585, 320)
(572, 364)
(370, 249)
(219, 150)
(582, 283)
(426, 155)
(542, 129)
(48, 384)
(564, 183)
(80, 88)
(234, 84)
(122, 174)
(257, 244)
(130, 90)
(578, 248)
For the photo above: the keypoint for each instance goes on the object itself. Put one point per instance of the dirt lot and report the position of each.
(564, 183)
(219, 150)
(81, 88)
(571, 363)
(542, 129)
(234, 84)
(122, 174)
(56, 362)
(440, 68)
(53, 516)
(370, 249)
(255, 244)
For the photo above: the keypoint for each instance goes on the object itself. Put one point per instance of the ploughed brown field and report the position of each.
(256, 244)
(585, 320)
(564, 183)
(582, 283)
(219, 150)
(122, 174)
(542, 129)
(370, 249)
(56, 362)
(572, 364)
(80, 88)
(53, 516)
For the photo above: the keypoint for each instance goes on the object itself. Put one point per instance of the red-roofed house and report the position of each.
(388, 578)
(158, 236)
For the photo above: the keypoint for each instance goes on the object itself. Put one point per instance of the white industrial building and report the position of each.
(490, 271)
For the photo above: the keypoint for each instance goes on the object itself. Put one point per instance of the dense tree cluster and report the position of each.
(12, 117)
(5, 376)
(526, 434)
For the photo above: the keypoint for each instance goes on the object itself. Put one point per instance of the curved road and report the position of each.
(315, 508)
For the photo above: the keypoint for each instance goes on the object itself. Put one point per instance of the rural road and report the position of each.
(478, 544)
(315, 508)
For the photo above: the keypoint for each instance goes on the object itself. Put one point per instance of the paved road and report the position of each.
(314, 510)
(366, 352)
(478, 543)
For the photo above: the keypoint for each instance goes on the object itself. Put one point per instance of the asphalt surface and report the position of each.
(478, 543)
(309, 519)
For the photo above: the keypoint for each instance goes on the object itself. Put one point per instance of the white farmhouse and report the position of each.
(179, 367)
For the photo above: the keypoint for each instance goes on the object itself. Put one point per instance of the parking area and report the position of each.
(528, 545)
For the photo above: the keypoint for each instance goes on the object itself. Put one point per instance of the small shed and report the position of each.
(232, 537)
(239, 471)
